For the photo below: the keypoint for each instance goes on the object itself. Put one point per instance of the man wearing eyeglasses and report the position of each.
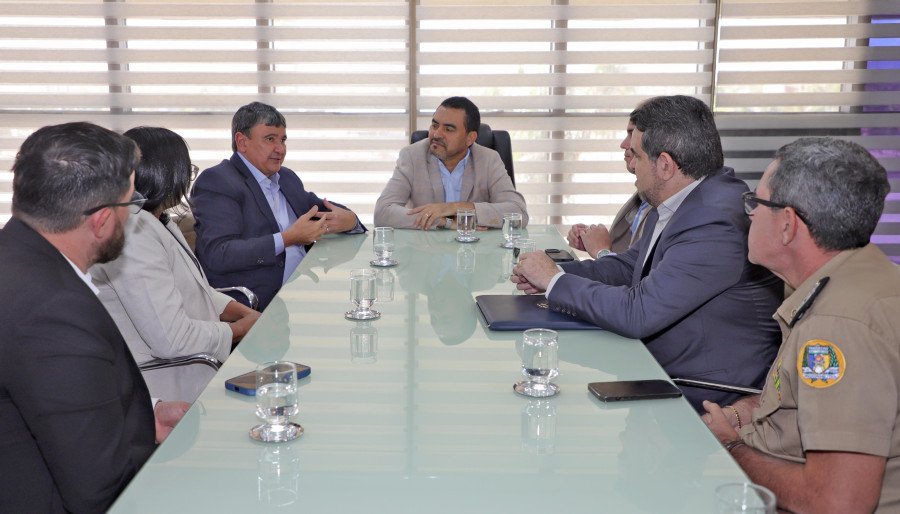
(686, 288)
(76, 420)
(823, 435)
(254, 219)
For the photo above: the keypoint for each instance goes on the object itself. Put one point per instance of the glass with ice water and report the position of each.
(465, 226)
(383, 245)
(276, 402)
(362, 295)
(512, 229)
(540, 363)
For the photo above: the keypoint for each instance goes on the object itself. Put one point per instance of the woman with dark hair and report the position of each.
(156, 291)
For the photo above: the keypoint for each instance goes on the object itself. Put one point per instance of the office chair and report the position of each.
(184, 360)
(497, 140)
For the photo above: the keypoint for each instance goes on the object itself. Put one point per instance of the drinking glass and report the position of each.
(383, 245)
(522, 245)
(540, 363)
(465, 226)
(744, 498)
(512, 229)
(362, 294)
(276, 402)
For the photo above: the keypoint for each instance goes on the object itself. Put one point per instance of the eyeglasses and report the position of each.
(194, 170)
(134, 206)
(751, 201)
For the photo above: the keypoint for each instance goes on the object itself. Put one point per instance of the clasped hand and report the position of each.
(533, 272)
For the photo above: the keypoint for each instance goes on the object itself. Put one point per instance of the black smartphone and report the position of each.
(246, 383)
(633, 390)
(559, 255)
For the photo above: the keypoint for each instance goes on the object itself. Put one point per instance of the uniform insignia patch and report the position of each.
(820, 363)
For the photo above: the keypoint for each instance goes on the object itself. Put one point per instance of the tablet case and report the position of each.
(521, 312)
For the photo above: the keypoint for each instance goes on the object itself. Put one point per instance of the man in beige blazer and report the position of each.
(446, 172)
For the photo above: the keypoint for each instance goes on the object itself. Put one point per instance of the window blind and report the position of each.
(355, 77)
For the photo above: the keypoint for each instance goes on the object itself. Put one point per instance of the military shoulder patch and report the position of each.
(820, 363)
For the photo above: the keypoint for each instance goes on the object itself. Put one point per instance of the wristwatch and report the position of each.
(603, 253)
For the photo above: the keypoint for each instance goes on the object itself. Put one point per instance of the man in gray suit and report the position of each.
(686, 289)
(448, 171)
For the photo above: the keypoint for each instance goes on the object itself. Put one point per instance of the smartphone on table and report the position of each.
(559, 255)
(633, 390)
(246, 383)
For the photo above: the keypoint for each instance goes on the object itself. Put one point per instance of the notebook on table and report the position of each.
(521, 312)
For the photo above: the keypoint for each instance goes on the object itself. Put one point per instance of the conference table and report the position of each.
(415, 412)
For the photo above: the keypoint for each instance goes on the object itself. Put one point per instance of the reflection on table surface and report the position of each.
(415, 412)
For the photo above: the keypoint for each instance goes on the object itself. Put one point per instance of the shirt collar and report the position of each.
(788, 309)
(258, 175)
(461, 165)
(85, 277)
(671, 204)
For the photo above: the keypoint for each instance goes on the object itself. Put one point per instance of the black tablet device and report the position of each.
(633, 390)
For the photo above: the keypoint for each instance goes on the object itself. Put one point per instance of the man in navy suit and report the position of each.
(686, 289)
(255, 221)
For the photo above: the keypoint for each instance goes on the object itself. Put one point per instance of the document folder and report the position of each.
(521, 312)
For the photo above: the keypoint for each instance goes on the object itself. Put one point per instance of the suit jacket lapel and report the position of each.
(652, 218)
(468, 180)
(434, 175)
(254, 188)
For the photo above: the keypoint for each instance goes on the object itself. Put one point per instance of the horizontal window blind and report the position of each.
(355, 77)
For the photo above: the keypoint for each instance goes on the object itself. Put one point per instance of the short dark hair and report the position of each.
(251, 115)
(838, 185)
(63, 170)
(684, 128)
(164, 175)
(473, 116)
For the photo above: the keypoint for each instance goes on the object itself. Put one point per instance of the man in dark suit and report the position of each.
(687, 289)
(255, 221)
(76, 420)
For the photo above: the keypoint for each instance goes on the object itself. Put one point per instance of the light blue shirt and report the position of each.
(453, 180)
(284, 215)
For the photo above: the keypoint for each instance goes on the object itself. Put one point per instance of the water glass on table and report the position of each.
(512, 229)
(745, 498)
(465, 226)
(522, 245)
(362, 295)
(540, 363)
(383, 245)
(277, 402)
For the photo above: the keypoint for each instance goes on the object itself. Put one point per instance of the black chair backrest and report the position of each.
(497, 140)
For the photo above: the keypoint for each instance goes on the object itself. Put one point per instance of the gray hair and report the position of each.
(684, 128)
(838, 185)
(63, 170)
(251, 115)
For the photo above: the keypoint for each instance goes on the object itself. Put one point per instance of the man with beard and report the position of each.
(446, 172)
(627, 226)
(686, 289)
(76, 420)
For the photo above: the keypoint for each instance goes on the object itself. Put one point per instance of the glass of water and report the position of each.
(276, 402)
(465, 226)
(512, 229)
(362, 295)
(745, 498)
(540, 363)
(522, 245)
(383, 245)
